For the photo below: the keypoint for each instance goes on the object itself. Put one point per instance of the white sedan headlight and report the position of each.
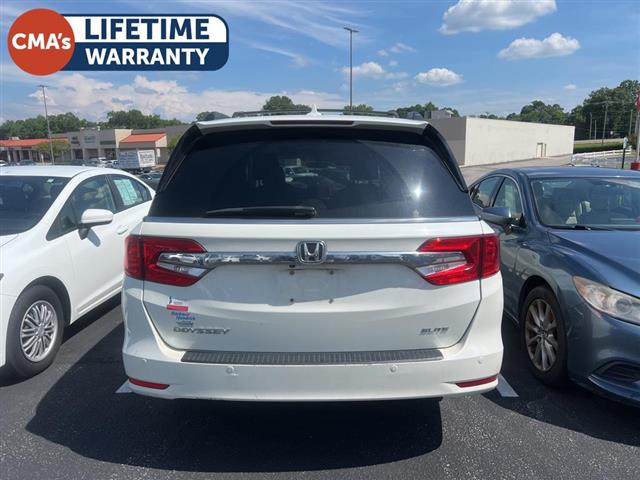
(607, 300)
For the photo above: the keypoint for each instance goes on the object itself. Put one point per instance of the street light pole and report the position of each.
(604, 125)
(590, 122)
(351, 32)
(638, 136)
(46, 115)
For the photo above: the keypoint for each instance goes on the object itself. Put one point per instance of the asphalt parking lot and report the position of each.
(69, 423)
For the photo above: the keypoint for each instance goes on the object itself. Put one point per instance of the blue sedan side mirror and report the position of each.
(497, 215)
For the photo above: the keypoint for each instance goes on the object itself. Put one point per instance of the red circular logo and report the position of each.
(41, 41)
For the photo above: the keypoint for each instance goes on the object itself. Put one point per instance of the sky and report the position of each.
(473, 55)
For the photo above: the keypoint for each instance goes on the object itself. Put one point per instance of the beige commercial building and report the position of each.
(106, 143)
(478, 141)
(474, 141)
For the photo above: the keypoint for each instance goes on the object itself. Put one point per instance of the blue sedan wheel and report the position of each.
(543, 336)
(541, 333)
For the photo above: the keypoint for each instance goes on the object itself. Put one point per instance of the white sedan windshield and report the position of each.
(25, 199)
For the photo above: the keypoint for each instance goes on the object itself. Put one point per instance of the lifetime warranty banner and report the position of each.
(42, 42)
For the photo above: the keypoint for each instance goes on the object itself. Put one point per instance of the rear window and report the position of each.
(372, 175)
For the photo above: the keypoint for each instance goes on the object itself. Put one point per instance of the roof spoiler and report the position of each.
(315, 112)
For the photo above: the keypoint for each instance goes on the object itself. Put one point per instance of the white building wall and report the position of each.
(454, 131)
(495, 141)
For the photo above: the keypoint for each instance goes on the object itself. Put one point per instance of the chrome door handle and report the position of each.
(122, 229)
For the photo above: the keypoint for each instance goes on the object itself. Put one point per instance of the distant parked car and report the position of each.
(570, 243)
(62, 232)
(151, 178)
(99, 161)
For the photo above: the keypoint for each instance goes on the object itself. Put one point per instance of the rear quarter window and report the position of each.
(359, 174)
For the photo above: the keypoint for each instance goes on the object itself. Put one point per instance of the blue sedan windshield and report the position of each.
(25, 199)
(611, 203)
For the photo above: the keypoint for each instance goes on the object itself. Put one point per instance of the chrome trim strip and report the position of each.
(211, 260)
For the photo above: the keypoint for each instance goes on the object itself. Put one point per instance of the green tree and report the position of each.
(36, 127)
(206, 116)
(619, 104)
(59, 147)
(490, 116)
(67, 122)
(136, 119)
(539, 112)
(363, 107)
(282, 102)
(421, 109)
(577, 118)
(171, 146)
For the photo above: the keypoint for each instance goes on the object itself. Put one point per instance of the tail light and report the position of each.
(142, 254)
(476, 383)
(145, 384)
(463, 259)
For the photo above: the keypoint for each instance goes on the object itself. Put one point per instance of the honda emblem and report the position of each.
(311, 252)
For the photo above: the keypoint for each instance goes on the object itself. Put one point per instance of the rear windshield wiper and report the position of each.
(294, 211)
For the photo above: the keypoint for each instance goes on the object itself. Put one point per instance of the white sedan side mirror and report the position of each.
(93, 217)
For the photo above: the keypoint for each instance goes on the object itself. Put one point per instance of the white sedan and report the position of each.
(62, 232)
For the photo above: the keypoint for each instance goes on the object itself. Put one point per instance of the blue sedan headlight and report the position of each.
(607, 300)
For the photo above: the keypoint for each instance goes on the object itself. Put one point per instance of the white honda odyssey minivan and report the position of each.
(367, 276)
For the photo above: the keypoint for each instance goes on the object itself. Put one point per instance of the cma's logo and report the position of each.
(30, 41)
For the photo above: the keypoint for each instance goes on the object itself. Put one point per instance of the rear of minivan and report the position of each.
(297, 258)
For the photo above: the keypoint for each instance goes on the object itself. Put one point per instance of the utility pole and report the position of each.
(637, 126)
(590, 122)
(638, 136)
(595, 129)
(630, 121)
(351, 32)
(46, 115)
(604, 125)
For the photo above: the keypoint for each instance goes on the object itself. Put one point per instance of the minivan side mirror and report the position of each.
(92, 217)
(497, 215)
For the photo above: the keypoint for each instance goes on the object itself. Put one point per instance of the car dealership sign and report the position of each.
(42, 42)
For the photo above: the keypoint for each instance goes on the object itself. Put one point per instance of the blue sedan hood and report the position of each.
(614, 255)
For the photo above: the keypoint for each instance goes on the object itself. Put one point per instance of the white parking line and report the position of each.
(504, 388)
(124, 388)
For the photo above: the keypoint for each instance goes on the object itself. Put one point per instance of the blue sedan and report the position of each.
(570, 247)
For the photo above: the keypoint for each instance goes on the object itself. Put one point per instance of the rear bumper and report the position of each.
(477, 356)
